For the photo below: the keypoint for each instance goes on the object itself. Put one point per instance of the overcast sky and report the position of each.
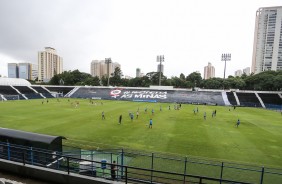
(132, 32)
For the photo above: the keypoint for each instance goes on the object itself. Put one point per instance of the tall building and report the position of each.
(209, 71)
(25, 71)
(267, 48)
(95, 68)
(238, 73)
(49, 64)
(13, 71)
(100, 68)
(34, 71)
(138, 72)
(246, 71)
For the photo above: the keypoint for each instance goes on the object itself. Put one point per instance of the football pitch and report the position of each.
(257, 140)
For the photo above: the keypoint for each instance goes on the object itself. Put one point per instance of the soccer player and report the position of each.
(153, 111)
(151, 123)
(205, 115)
(238, 123)
(120, 118)
(146, 110)
(137, 114)
(169, 107)
(103, 115)
(131, 116)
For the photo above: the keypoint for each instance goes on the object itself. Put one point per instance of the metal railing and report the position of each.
(102, 169)
(142, 168)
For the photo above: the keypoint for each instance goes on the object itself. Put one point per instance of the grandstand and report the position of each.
(10, 88)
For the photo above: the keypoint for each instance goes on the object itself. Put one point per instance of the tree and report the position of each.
(74, 78)
(104, 80)
(92, 81)
(195, 78)
(179, 82)
(277, 83)
(153, 77)
(213, 83)
(182, 76)
(55, 80)
(263, 81)
(115, 80)
(236, 83)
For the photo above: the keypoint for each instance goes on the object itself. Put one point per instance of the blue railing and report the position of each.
(59, 161)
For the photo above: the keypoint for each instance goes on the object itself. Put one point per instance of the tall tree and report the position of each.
(182, 76)
(195, 78)
(115, 80)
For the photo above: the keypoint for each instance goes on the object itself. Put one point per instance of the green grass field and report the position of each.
(258, 139)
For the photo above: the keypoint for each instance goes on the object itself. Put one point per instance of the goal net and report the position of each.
(11, 97)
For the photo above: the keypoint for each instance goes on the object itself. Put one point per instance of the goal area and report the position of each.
(10, 97)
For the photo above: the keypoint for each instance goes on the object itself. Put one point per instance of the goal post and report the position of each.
(11, 97)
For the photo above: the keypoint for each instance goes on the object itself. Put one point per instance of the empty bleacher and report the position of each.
(270, 100)
(231, 98)
(29, 93)
(248, 99)
(60, 89)
(33, 96)
(24, 89)
(43, 91)
(8, 90)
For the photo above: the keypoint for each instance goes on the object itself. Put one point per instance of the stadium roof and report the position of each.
(13, 81)
(28, 136)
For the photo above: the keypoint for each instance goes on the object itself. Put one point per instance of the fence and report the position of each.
(99, 169)
(186, 165)
(136, 167)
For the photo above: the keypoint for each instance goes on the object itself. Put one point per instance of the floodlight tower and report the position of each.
(108, 61)
(225, 57)
(160, 59)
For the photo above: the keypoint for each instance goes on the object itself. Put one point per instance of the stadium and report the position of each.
(195, 135)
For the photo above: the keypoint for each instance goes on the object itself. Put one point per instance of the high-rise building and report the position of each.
(100, 68)
(34, 71)
(95, 68)
(138, 72)
(25, 71)
(238, 73)
(13, 71)
(209, 71)
(267, 48)
(246, 71)
(49, 64)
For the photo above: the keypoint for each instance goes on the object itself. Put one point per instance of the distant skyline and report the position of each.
(131, 32)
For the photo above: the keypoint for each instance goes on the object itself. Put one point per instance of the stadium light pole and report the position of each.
(225, 57)
(160, 59)
(108, 61)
